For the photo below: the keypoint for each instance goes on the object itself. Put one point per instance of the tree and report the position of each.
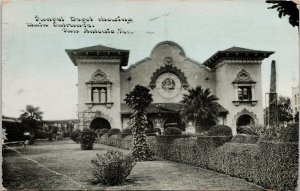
(286, 8)
(199, 104)
(31, 117)
(296, 117)
(284, 109)
(139, 99)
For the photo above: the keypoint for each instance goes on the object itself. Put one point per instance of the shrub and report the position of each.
(75, 135)
(219, 130)
(87, 139)
(173, 131)
(127, 131)
(243, 138)
(289, 133)
(101, 132)
(113, 132)
(153, 131)
(112, 168)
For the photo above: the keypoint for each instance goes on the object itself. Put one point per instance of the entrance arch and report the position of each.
(244, 120)
(100, 123)
(173, 121)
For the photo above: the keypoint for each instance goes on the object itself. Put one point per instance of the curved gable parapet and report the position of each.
(171, 44)
(135, 64)
(199, 64)
(167, 49)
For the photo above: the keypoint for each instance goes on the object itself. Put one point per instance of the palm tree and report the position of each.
(199, 104)
(286, 8)
(30, 118)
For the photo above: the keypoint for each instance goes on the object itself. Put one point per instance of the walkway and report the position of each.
(62, 165)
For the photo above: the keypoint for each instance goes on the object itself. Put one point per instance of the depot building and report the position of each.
(233, 75)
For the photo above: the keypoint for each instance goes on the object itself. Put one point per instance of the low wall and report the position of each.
(272, 165)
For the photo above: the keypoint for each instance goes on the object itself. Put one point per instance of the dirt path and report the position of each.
(66, 158)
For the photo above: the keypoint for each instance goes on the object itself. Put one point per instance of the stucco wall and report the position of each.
(141, 72)
(226, 73)
(112, 70)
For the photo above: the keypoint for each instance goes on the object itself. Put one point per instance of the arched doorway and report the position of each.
(173, 121)
(100, 123)
(244, 120)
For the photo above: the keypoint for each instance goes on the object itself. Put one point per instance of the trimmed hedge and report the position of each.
(272, 165)
(219, 130)
(126, 132)
(290, 133)
(269, 164)
(243, 138)
(113, 132)
(172, 131)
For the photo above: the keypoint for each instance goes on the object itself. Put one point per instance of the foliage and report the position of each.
(280, 133)
(289, 133)
(101, 132)
(172, 131)
(288, 8)
(112, 168)
(87, 139)
(127, 131)
(75, 135)
(244, 138)
(31, 118)
(139, 99)
(199, 104)
(284, 109)
(113, 131)
(269, 164)
(219, 130)
(245, 130)
(152, 131)
(296, 117)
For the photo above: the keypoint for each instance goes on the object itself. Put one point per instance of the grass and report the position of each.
(67, 158)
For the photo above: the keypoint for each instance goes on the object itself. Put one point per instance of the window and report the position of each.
(244, 93)
(244, 89)
(99, 90)
(99, 95)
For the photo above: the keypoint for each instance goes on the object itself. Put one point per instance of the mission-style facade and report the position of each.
(233, 75)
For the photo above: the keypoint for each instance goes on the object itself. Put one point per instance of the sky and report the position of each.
(36, 69)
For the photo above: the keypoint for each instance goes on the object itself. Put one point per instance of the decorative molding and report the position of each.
(99, 77)
(169, 69)
(243, 77)
(238, 102)
(245, 112)
(107, 104)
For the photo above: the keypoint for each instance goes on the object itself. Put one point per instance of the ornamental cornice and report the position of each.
(170, 69)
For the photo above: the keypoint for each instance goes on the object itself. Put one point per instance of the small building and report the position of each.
(233, 75)
(13, 128)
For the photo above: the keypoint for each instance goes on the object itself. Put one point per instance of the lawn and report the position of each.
(68, 168)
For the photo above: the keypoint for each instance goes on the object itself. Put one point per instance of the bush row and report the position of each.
(272, 165)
